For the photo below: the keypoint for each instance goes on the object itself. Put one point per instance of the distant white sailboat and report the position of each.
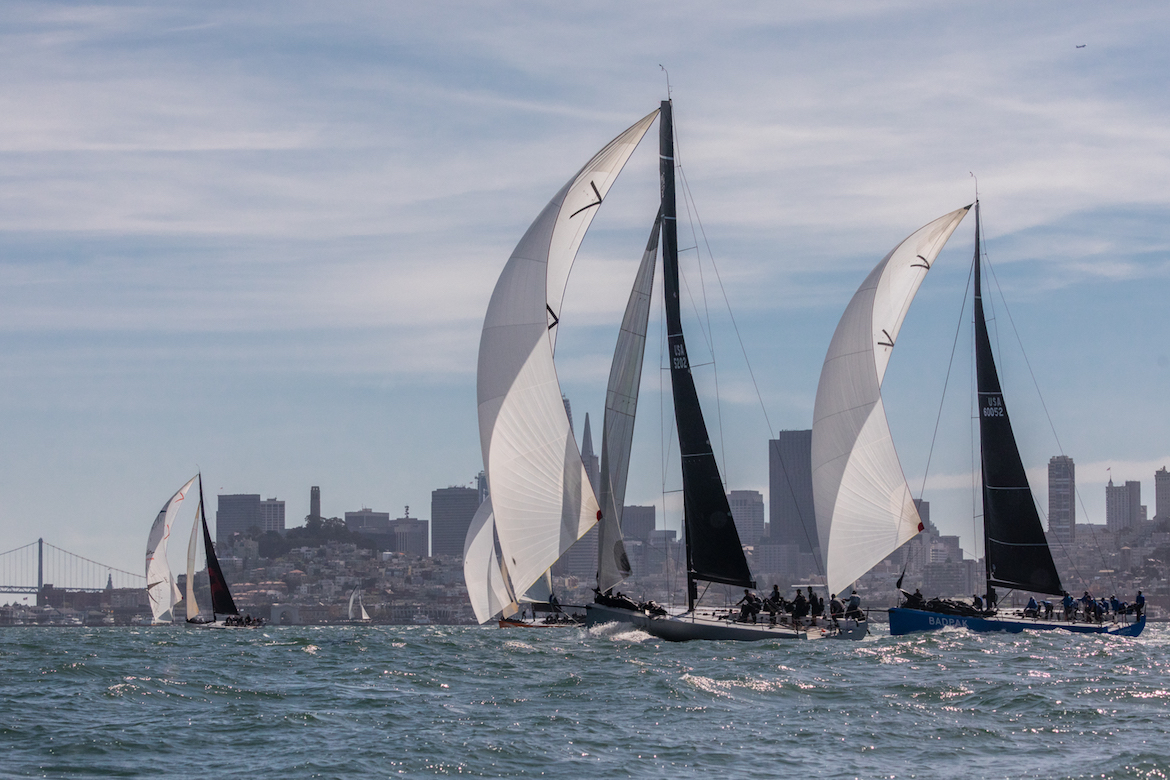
(355, 599)
(161, 589)
(222, 603)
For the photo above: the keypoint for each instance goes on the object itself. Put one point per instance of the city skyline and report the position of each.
(265, 249)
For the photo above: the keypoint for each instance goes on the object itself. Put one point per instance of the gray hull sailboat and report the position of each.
(713, 549)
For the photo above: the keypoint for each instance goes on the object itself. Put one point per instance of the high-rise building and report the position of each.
(1062, 491)
(1123, 505)
(790, 508)
(638, 522)
(315, 502)
(481, 485)
(747, 508)
(272, 516)
(923, 508)
(236, 514)
(592, 467)
(411, 535)
(1162, 494)
(451, 511)
(370, 523)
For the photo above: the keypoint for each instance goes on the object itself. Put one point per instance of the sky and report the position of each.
(259, 240)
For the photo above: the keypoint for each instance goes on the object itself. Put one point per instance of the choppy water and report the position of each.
(569, 703)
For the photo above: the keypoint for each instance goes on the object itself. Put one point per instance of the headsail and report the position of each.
(487, 586)
(192, 553)
(714, 552)
(863, 505)
(617, 433)
(541, 495)
(160, 583)
(1016, 550)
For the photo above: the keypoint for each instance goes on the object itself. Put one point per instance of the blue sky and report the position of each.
(260, 239)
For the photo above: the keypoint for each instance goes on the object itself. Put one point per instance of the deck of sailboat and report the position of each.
(700, 624)
(908, 621)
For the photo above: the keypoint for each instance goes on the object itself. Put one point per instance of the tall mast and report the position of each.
(981, 334)
(714, 552)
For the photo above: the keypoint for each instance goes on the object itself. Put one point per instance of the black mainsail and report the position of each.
(714, 552)
(221, 597)
(1015, 549)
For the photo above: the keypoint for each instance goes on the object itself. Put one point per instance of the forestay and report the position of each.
(864, 509)
(160, 583)
(541, 496)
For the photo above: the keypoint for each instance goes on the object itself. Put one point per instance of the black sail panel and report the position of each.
(1016, 550)
(221, 597)
(714, 552)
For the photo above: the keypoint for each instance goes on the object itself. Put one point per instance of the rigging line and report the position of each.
(95, 563)
(946, 382)
(1047, 415)
(18, 549)
(692, 210)
(731, 314)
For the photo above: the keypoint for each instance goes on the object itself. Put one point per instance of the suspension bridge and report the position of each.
(39, 565)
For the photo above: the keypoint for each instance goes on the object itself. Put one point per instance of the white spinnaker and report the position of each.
(617, 433)
(160, 583)
(863, 505)
(541, 496)
(192, 552)
(487, 588)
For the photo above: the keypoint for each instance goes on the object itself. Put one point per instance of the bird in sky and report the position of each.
(1082, 45)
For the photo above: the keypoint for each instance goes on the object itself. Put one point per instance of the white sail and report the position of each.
(352, 599)
(362, 607)
(487, 586)
(160, 583)
(617, 433)
(541, 496)
(192, 553)
(538, 592)
(863, 505)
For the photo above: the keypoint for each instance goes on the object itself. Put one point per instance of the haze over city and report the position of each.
(259, 241)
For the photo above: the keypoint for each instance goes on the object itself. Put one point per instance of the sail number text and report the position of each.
(679, 359)
(994, 407)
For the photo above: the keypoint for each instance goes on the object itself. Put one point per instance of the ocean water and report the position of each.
(346, 702)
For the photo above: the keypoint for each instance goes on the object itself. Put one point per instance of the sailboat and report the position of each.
(864, 507)
(541, 499)
(713, 550)
(222, 603)
(161, 589)
(359, 616)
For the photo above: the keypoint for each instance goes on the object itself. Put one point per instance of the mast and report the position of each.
(1015, 550)
(714, 552)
